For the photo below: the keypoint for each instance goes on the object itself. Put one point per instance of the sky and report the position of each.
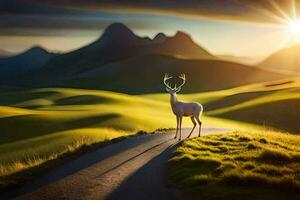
(245, 28)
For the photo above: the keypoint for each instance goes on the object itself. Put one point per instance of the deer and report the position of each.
(183, 109)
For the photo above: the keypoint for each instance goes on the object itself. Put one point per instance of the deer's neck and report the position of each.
(173, 101)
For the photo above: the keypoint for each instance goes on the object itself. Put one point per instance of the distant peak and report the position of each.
(160, 37)
(117, 27)
(37, 49)
(182, 36)
(116, 30)
(118, 33)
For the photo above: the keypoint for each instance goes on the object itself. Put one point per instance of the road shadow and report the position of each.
(73, 166)
(133, 157)
(148, 182)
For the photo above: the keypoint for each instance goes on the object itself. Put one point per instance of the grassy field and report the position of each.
(272, 105)
(238, 165)
(42, 124)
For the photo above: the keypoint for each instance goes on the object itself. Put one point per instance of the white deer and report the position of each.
(183, 109)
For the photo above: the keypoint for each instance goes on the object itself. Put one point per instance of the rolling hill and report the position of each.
(285, 60)
(144, 75)
(55, 121)
(41, 124)
(272, 104)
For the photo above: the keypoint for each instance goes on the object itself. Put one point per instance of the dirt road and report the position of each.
(130, 169)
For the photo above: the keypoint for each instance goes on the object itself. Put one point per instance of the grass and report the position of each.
(273, 105)
(40, 125)
(264, 164)
(43, 124)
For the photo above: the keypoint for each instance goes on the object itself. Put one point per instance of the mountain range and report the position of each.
(121, 61)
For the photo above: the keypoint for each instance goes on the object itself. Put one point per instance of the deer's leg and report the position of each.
(194, 122)
(200, 123)
(180, 122)
(177, 121)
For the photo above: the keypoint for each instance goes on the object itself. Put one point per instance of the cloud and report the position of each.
(31, 17)
(248, 10)
(265, 11)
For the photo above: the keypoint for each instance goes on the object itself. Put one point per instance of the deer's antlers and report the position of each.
(167, 77)
(182, 76)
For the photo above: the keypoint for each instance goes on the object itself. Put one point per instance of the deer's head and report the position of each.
(175, 89)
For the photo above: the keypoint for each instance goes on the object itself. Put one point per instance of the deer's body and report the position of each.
(183, 109)
(186, 109)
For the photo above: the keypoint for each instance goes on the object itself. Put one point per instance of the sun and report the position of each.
(294, 27)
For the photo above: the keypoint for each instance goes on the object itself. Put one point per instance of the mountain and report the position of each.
(285, 60)
(119, 42)
(118, 36)
(25, 62)
(121, 61)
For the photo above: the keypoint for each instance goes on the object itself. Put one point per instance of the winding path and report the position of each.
(130, 169)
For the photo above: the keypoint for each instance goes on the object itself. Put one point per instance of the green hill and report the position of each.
(275, 105)
(238, 165)
(272, 104)
(41, 124)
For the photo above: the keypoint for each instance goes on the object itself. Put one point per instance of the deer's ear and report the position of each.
(178, 89)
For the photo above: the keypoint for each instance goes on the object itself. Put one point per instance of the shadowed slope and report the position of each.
(143, 75)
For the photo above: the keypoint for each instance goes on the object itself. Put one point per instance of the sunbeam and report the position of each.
(279, 9)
